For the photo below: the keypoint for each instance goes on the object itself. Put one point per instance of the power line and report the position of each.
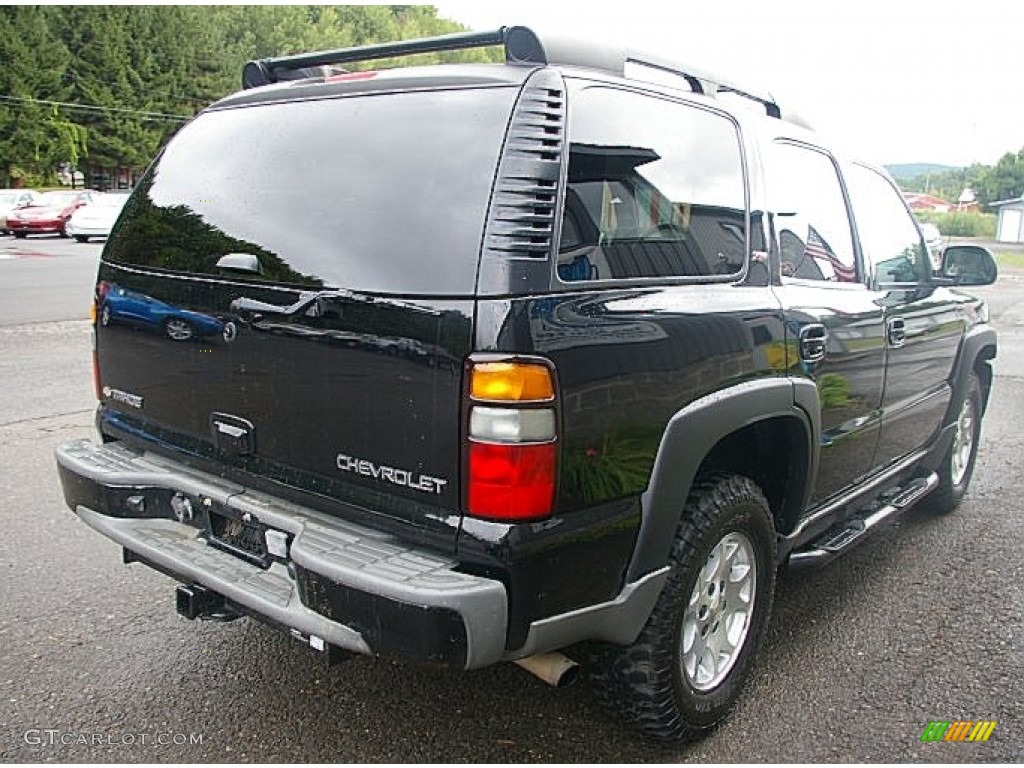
(92, 108)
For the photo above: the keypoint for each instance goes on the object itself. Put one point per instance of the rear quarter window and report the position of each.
(656, 190)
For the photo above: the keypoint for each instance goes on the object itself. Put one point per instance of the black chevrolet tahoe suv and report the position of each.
(566, 355)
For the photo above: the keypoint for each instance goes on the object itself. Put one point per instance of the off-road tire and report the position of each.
(958, 465)
(644, 682)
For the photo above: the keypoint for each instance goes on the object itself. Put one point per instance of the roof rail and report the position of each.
(522, 46)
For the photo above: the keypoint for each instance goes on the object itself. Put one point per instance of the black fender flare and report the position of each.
(979, 343)
(690, 436)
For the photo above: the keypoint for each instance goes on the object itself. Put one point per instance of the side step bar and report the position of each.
(841, 537)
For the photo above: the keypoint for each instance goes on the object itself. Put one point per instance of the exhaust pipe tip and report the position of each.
(556, 669)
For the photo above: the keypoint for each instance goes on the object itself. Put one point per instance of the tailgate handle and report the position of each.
(233, 435)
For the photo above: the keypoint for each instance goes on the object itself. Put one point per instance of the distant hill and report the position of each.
(910, 170)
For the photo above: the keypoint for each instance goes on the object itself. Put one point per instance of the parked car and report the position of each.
(692, 343)
(11, 199)
(97, 218)
(933, 241)
(117, 304)
(49, 213)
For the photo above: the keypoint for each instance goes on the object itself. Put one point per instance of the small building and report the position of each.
(968, 201)
(919, 201)
(1010, 223)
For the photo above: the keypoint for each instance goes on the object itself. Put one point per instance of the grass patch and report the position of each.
(1011, 259)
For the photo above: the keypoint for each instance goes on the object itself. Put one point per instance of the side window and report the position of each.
(656, 189)
(815, 242)
(888, 236)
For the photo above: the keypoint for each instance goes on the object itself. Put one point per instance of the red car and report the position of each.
(48, 213)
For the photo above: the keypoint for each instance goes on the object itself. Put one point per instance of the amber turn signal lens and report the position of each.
(510, 382)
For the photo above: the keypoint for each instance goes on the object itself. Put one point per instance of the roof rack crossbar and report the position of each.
(522, 46)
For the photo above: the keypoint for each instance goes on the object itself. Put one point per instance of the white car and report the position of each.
(933, 239)
(97, 218)
(11, 199)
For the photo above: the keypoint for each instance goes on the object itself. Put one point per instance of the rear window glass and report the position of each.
(384, 193)
(656, 189)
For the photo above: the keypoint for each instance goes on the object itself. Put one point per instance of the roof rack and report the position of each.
(522, 46)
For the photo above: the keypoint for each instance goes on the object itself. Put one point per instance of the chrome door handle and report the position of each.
(813, 342)
(896, 331)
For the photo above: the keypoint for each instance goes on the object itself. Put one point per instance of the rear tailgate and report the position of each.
(288, 294)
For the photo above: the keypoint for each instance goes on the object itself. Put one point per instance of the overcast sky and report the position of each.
(895, 82)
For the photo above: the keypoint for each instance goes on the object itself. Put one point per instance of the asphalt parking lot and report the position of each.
(922, 622)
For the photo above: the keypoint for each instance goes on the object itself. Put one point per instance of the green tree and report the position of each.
(35, 137)
(1005, 180)
(1002, 181)
(127, 77)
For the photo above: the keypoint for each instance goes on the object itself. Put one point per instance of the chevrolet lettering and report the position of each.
(402, 477)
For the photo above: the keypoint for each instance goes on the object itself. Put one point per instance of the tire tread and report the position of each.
(637, 681)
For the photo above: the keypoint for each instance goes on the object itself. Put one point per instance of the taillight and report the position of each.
(97, 384)
(512, 431)
(102, 289)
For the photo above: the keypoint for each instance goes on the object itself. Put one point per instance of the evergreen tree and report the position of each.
(127, 77)
(35, 136)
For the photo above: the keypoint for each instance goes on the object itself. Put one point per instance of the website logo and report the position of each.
(958, 730)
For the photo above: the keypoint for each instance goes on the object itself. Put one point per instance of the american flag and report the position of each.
(818, 249)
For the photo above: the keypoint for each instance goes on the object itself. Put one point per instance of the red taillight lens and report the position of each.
(511, 482)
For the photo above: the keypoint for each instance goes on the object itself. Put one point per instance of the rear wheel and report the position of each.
(82, 238)
(958, 463)
(20, 235)
(178, 329)
(687, 668)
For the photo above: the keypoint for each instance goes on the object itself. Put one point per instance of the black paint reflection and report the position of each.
(629, 360)
(176, 237)
(120, 305)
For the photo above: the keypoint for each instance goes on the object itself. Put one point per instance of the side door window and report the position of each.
(889, 238)
(811, 220)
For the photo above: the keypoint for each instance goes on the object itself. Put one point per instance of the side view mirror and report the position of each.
(969, 265)
(241, 262)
